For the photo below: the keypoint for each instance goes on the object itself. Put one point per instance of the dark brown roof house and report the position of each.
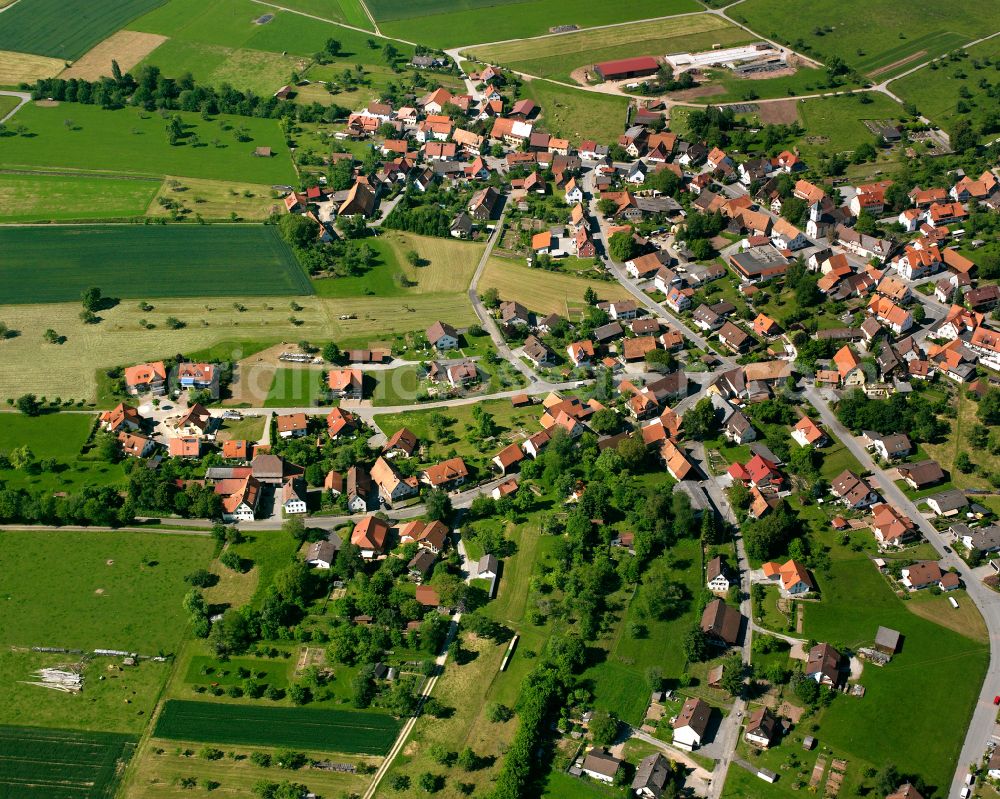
(721, 623)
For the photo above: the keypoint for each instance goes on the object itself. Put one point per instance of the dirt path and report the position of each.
(896, 64)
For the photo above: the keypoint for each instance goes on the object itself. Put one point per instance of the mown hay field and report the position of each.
(542, 291)
(16, 68)
(56, 264)
(445, 24)
(558, 56)
(352, 732)
(66, 29)
(39, 763)
(56, 197)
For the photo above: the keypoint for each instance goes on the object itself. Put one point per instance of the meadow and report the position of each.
(541, 291)
(578, 114)
(937, 92)
(444, 24)
(358, 732)
(558, 56)
(66, 30)
(56, 264)
(347, 11)
(856, 600)
(215, 200)
(58, 198)
(59, 437)
(225, 327)
(114, 700)
(132, 141)
(512, 423)
(877, 37)
(444, 266)
(97, 590)
(836, 124)
(61, 764)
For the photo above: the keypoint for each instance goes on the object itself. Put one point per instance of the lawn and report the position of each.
(620, 684)
(134, 141)
(215, 200)
(159, 767)
(834, 124)
(66, 30)
(61, 764)
(541, 291)
(468, 689)
(226, 326)
(511, 421)
(349, 11)
(57, 264)
(957, 441)
(578, 114)
(936, 92)
(297, 388)
(353, 732)
(837, 458)
(59, 437)
(260, 71)
(117, 700)
(934, 661)
(56, 198)
(870, 35)
(558, 56)
(444, 24)
(97, 590)
(250, 428)
(397, 386)
(445, 266)
(560, 785)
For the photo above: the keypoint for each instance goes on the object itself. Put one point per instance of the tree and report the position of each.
(699, 422)
(431, 783)
(607, 206)
(298, 231)
(603, 728)
(590, 296)
(964, 463)
(696, 647)
(92, 299)
(332, 47)
(621, 246)
(29, 405)
(732, 674)
(438, 505)
(604, 421)
(331, 352)
(296, 528)
(498, 713)
(963, 136)
(989, 408)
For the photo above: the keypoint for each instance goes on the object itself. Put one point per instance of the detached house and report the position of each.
(146, 378)
(715, 576)
(691, 724)
(292, 425)
(807, 433)
(442, 336)
(447, 474)
(392, 486)
(369, 536)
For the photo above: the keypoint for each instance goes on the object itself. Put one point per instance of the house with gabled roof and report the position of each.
(369, 536)
(807, 433)
(146, 378)
(447, 474)
(392, 486)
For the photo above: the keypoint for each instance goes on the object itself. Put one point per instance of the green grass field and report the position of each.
(936, 92)
(933, 661)
(558, 56)
(358, 732)
(134, 142)
(59, 436)
(146, 261)
(7, 104)
(297, 388)
(113, 700)
(61, 764)
(93, 590)
(59, 198)
(510, 420)
(349, 11)
(578, 114)
(444, 24)
(835, 124)
(543, 292)
(871, 35)
(66, 30)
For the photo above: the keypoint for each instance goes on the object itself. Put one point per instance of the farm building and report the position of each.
(638, 67)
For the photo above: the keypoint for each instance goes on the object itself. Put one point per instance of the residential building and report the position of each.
(691, 724)
(823, 665)
(369, 536)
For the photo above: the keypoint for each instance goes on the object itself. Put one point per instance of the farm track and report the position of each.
(334, 22)
(57, 174)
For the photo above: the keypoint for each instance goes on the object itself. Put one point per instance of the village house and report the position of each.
(852, 490)
(601, 766)
(922, 474)
(442, 336)
(823, 665)
(792, 577)
(691, 725)
(241, 504)
(403, 443)
(146, 378)
(369, 536)
(392, 486)
(432, 536)
(293, 496)
(292, 425)
(716, 577)
(807, 433)
(763, 728)
(345, 383)
(323, 553)
(721, 623)
(121, 418)
(446, 475)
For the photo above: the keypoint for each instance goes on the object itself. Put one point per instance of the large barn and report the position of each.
(638, 67)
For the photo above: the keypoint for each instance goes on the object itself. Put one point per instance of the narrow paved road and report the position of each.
(23, 98)
(988, 601)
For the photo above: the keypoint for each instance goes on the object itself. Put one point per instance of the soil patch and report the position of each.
(128, 48)
(46, 103)
(784, 112)
(896, 64)
(705, 90)
(253, 376)
(580, 75)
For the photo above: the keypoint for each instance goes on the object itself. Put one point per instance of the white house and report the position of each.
(293, 497)
(600, 765)
(715, 575)
(691, 724)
